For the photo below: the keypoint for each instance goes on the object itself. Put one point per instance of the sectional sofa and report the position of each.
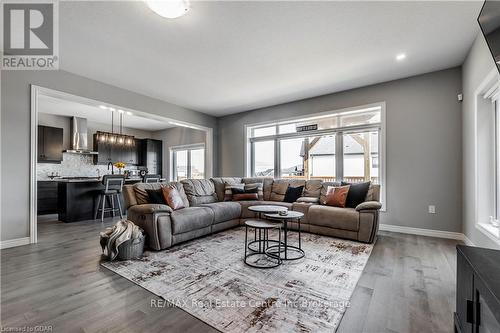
(206, 211)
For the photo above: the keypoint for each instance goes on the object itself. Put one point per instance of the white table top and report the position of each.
(290, 215)
(267, 208)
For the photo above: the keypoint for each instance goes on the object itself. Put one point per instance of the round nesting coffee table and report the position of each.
(263, 209)
(265, 260)
(276, 251)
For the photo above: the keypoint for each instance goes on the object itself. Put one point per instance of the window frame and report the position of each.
(188, 148)
(338, 132)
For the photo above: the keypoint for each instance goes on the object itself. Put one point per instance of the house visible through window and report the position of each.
(339, 146)
(188, 162)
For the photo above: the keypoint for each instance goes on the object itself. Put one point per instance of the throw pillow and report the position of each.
(155, 197)
(293, 193)
(357, 193)
(337, 196)
(228, 193)
(259, 187)
(242, 194)
(172, 197)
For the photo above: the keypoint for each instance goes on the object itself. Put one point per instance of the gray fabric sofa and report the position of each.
(206, 211)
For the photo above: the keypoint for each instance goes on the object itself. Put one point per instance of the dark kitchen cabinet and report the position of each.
(151, 155)
(109, 152)
(46, 197)
(478, 290)
(50, 144)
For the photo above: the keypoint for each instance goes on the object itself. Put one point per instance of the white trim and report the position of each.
(486, 230)
(37, 90)
(423, 232)
(14, 242)
(486, 87)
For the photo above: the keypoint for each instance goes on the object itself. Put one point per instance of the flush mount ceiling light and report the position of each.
(401, 57)
(169, 8)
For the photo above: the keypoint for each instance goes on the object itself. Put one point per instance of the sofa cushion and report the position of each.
(243, 194)
(334, 217)
(220, 185)
(312, 188)
(199, 191)
(337, 196)
(258, 186)
(267, 183)
(141, 196)
(228, 193)
(324, 189)
(191, 218)
(155, 197)
(280, 186)
(172, 197)
(308, 200)
(224, 211)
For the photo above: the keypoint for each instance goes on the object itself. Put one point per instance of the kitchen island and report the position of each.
(78, 197)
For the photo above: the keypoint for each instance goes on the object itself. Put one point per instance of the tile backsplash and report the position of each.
(73, 165)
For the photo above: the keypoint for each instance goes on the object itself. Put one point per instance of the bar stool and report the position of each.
(113, 185)
(151, 178)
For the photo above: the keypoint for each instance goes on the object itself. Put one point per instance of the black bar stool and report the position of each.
(113, 185)
(151, 178)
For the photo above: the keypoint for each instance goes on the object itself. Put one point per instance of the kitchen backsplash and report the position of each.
(73, 165)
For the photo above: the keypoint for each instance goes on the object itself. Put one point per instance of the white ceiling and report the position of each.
(228, 57)
(68, 108)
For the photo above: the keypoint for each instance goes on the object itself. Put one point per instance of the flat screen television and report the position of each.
(489, 21)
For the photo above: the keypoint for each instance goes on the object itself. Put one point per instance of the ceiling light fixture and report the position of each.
(169, 8)
(104, 107)
(401, 56)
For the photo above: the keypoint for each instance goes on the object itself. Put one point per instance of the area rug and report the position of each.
(207, 278)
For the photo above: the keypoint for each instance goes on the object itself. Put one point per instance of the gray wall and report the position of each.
(177, 136)
(424, 132)
(15, 132)
(476, 67)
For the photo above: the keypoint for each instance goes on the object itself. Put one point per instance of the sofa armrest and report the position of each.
(369, 205)
(150, 209)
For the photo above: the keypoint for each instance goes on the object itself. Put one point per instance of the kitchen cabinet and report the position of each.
(50, 144)
(151, 155)
(109, 152)
(46, 197)
(478, 290)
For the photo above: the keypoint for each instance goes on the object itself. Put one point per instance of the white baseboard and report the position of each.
(426, 232)
(14, 242)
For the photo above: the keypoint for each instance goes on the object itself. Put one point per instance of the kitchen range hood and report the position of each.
(79, 137)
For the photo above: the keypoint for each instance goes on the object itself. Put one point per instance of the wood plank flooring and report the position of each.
(407, 286)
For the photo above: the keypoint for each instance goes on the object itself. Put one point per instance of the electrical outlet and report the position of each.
(432, 209)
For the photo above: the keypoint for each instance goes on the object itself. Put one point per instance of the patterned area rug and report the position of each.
(207, 278)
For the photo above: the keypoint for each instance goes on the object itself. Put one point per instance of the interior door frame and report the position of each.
(36, 91)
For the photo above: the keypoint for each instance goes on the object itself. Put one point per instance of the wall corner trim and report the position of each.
(426, 232)
(14, 242)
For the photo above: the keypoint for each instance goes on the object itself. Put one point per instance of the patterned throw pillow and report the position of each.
(228, 191)
(259, 187)
(337, 196)
(172, 197)
(242, 195)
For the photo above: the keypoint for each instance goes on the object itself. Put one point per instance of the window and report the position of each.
(188, 162)
(345, 146)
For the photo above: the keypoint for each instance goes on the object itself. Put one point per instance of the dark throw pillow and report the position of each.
(357, 193)
(242, 194)
(293, 193)
(156, 197)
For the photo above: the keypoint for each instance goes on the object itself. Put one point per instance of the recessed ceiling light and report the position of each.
(112, 109)
(104, 107)
(401, 56)
(169, 8)
(121, 111)
(129, 113)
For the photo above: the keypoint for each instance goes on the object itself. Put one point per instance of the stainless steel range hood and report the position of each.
(79, 137)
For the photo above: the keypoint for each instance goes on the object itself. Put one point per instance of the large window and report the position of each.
(333, 147)
(188, 162)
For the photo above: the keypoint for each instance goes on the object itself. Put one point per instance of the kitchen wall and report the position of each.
(424, 131)
(15, 132)
(476, 67)
(177, 136)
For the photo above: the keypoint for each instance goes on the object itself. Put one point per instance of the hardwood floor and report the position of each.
(407, 286)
